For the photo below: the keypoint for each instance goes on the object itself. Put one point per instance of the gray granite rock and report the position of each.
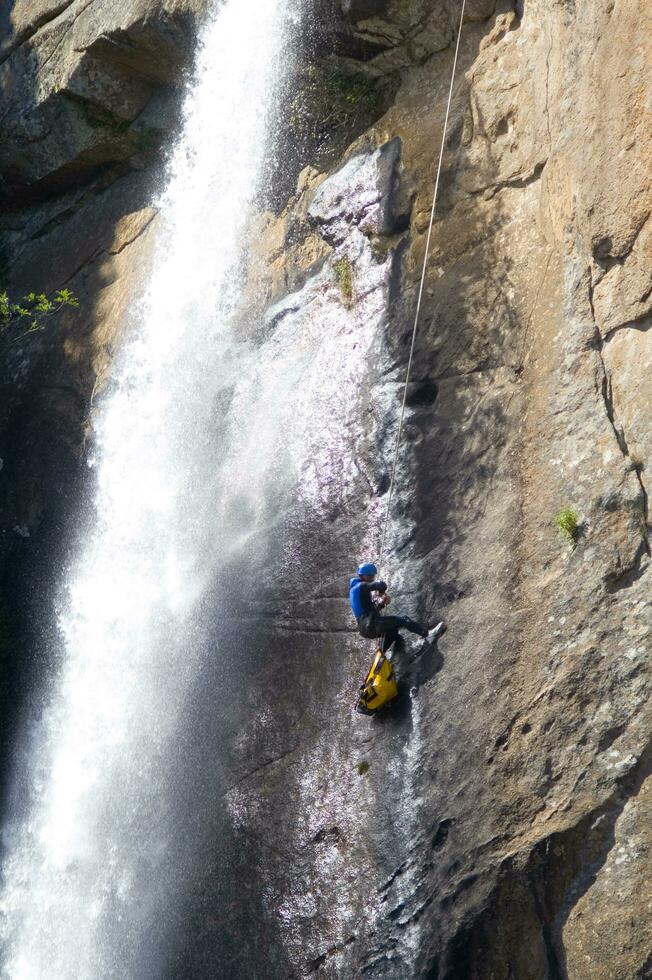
(361, 195)
(79, 78)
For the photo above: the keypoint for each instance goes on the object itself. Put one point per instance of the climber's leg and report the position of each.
(387, 628)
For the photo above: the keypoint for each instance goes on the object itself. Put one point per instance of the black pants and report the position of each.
(374, 626)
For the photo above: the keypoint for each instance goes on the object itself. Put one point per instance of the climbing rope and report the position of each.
(421, 285)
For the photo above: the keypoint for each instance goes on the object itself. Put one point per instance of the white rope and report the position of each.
(421, 285)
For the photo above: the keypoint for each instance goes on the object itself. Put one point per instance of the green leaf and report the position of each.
(65, 297)
(36, 312)
(43, 304)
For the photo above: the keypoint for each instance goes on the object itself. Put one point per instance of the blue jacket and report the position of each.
(360, 596)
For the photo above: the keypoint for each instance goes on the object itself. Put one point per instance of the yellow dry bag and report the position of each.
(379, 688)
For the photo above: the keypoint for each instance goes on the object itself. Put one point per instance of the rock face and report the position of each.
(85, 88)
(495, 824)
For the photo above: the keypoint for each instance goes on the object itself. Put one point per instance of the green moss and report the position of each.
(343, 274)
(568, 523)
(363, 767)
(330, 104)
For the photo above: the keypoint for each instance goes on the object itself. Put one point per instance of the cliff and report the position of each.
(496, 824)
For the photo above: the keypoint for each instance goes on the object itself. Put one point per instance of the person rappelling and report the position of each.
(368, 598)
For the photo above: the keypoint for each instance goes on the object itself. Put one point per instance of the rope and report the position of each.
(421, 285)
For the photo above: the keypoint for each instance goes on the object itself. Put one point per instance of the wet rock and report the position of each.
(362, 194)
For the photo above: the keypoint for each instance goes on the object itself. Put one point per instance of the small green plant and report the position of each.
(343, 273)
(363, 767)
(568, 522)
(329, 105)
(32, 313)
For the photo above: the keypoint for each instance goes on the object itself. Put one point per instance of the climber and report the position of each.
(367, 610)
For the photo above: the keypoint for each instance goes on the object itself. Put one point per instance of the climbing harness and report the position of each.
(421, 285)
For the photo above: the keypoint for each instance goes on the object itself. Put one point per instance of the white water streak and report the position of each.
(90, 864)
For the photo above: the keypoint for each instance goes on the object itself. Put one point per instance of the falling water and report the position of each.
(92, 861)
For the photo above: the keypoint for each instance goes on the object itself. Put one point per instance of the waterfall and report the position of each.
(92, 857)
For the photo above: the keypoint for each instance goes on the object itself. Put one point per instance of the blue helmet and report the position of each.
(368, 568)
